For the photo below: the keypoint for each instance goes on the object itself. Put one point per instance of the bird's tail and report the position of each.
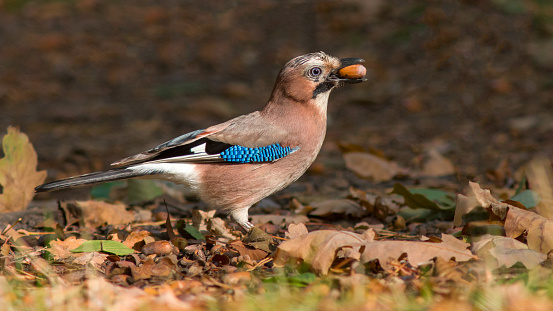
(87, 179)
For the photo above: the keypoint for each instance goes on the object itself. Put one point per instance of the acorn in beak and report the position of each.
(350, 72)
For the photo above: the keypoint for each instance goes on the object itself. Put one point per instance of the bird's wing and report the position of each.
(245, 139)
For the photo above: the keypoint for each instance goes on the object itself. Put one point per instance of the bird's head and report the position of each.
(312, 76)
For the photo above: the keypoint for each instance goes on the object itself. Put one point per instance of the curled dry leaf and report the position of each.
(464, 206)
(417, 252)
(498, 251)
(318, 248)
(517, 221)
(539, 230)
(482, 197)
(371, 167)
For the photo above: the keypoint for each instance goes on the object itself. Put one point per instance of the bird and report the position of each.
(237, 163)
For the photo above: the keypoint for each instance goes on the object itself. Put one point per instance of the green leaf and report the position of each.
(137, 190)
(188, 231)
(426, 198)
(106, 246)
(142, 190)
(303, 279)
(417, 215)
(527, 198)
(103, 190)
(444, 199)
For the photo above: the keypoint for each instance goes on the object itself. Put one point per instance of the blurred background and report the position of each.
(93, 81)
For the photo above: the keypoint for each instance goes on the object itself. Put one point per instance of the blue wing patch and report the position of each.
(269, 153)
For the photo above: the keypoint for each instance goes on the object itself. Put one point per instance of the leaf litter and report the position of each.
(362, 237)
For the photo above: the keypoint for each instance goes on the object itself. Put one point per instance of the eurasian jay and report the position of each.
(235, 164)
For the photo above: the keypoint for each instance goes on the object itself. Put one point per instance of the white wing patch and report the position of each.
(199, 155)
(199, 149)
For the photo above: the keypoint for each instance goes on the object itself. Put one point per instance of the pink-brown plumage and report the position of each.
(295, 117)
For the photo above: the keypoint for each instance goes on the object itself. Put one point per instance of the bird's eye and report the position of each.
(315, 71)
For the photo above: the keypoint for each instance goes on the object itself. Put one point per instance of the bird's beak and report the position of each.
(350, 71)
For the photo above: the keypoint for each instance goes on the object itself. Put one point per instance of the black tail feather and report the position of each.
(87, 179)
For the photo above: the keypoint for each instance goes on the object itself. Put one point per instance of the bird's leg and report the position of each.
(240, 216)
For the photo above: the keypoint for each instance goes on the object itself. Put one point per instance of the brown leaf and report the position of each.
(136, 237)
(540, 230)
(18, 175)
(62, 249)
(482, 197)
(540, 178)
(200, 219)
(463, 206)
(498, 251)
(371, 167)
(170, 232)
(218, 228)
(144, 271)
(94, 258)
(259, 239)
(437, 165)
(295, 231)
(97, 213)
(317, 248)
(338, 206)
(243, 250)
(417, 252)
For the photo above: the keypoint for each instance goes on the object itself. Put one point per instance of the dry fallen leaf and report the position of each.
(62, 249)
(94, 258)
(482, 197)
(498, 251)
(517, 221)
(136, 237)
(295, 231)
(243, 250)
(337, 206)
(318, 248)
(97, 213)
(417, 252)
(18, 175)
(540, 178)
(539, 230)
(371, 167)
(463, 206)
(200, 219)
(437, 165)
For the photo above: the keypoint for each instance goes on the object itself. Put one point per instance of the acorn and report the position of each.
(356, 71)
